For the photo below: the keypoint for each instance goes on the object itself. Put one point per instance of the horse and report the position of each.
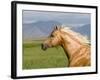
(74, 44)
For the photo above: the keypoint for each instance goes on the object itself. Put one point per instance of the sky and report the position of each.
(65, 18)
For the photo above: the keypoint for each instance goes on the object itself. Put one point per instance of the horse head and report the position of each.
(53, 40)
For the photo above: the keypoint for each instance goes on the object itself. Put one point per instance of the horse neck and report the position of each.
(70, 45)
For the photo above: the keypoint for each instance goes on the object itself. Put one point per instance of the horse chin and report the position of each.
(44, 49)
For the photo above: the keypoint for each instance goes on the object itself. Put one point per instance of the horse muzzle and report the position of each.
(44, 46)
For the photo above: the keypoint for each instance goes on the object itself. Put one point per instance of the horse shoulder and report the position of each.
(82, 58)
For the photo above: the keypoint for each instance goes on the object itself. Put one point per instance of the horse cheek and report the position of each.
(56, 42)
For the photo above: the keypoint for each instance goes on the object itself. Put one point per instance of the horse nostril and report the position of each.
(43, 46)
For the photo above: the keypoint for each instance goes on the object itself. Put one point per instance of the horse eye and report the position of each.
(52, 35)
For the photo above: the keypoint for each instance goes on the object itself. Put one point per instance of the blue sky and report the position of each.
(72, 19)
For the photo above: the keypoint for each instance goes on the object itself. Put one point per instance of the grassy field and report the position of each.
(34, 57)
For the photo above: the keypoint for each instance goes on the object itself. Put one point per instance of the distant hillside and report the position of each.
(38, 30)
(41, 29)
(84, 30)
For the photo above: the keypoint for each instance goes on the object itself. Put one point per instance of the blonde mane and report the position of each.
(77, 35)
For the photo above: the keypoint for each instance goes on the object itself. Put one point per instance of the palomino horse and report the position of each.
(74, 45)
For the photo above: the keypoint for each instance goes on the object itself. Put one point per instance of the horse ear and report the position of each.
(56, 27)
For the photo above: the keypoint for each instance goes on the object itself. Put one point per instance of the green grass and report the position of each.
(34, 57)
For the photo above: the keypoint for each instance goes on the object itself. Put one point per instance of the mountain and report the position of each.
(38, 30)
(42, 29)
(84, 30)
